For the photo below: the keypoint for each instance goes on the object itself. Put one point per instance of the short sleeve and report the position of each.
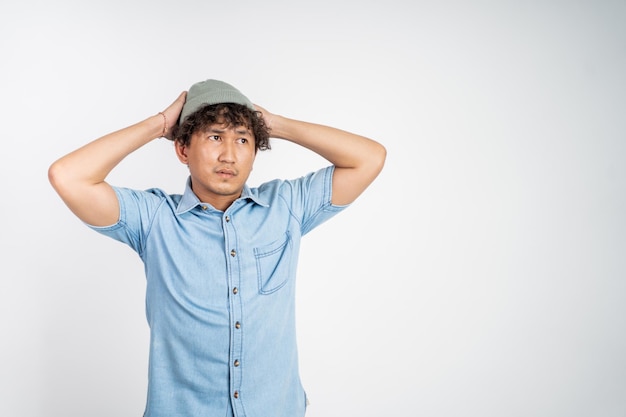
(137, 211)
(310, 198)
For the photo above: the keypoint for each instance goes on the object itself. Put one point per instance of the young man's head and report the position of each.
(212, 101)
(218, 136)
(228, 114)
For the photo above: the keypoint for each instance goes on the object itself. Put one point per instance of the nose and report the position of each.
(227, 152)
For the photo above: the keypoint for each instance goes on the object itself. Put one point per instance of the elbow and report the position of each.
(57, 175)
(379, 157)
(383, 154)
(373, 161)
(53, 174)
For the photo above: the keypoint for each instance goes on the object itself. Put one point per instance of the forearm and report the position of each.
(343, 149)
(92, 163)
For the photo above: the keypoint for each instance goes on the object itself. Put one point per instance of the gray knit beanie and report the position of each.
(211, 92)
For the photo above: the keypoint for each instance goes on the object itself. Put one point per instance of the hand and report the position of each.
(172, 113)
(267, 116)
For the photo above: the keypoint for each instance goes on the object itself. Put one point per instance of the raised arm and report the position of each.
(79, 177)
(357, 159)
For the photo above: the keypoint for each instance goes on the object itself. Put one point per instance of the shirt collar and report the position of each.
(189, 200)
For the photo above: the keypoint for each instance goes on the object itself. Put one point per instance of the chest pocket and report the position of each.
(274, 264)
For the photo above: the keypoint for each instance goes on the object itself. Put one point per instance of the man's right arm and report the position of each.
(79, 177)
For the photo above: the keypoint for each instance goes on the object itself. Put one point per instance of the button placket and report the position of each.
(230, 241)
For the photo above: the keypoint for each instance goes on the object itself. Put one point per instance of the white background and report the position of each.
(482, 274)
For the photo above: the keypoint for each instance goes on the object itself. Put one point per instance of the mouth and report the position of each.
(225, 173)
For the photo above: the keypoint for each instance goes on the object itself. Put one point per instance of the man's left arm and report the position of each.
(357, 159)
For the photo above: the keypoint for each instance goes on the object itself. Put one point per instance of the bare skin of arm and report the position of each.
(357, 159)
(79, 177)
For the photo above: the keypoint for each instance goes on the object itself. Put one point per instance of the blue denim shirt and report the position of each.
(220, 295)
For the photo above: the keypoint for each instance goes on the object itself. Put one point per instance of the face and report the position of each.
(220, 160)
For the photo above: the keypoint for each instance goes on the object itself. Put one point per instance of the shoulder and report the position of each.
(321, 178)
(151, 197)
(313, 188)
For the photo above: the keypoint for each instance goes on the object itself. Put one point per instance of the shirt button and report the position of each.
(204, 207)
(235, 290)
(227, 219)
(236, 394)
(236, 363)
(237, 325)
(233, 253)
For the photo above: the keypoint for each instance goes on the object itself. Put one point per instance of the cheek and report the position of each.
(250, 161)
(246, 156)
(204, 155)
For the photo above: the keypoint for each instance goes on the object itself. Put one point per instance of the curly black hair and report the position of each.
(231, 114)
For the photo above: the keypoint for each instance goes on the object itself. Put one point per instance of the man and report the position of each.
(220, 259)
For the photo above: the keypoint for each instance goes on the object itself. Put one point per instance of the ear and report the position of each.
(181, 152)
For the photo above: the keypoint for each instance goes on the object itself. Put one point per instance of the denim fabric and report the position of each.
(220, 295)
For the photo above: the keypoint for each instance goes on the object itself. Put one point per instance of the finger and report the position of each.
(182, 97)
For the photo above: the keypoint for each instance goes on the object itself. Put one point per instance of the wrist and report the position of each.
(166, 127)
(153, 126)
(278, 127)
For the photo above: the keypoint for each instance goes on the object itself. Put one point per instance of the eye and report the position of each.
(213, 137)
(242, 140)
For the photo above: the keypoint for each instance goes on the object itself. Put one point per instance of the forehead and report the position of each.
(226, 127)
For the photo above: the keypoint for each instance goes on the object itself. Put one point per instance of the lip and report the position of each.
(226, 173)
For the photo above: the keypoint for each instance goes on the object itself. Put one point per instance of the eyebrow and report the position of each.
(240, 131)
